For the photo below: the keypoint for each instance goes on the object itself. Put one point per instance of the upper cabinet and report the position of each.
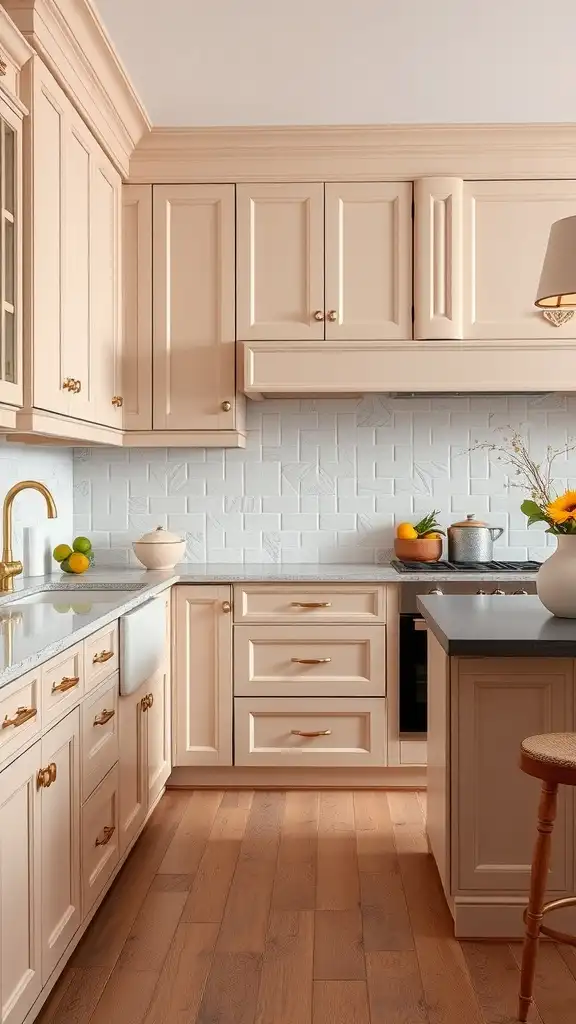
(327, 262)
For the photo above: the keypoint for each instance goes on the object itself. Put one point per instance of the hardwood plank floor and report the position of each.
(292, 908)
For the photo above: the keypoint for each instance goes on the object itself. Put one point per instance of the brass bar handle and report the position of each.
(311, 604)
(310, 734)
(104, 717)
(67, 683)
(22, 715)
(311, 661)
(99, 659)
(107, 833)
(332, 316)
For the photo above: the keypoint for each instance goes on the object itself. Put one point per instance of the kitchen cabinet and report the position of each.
(327, 261)
(133, 772)
(59, 783)
(158, 735)
(137, 306)
(20, 886)
(11, 371)
(202, 672)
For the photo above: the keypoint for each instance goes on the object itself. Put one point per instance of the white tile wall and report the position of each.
(321, 480)
(34, 535)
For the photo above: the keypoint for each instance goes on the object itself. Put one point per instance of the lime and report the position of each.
(77, 562)
(82, 544)
(62, 551)
(62, 608)
(65, 566)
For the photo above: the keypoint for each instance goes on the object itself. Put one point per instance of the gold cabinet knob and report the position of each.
(332, 316)
(104, 717)
(145, 702)
(319, 315)
(46, 776)
(107, 833)
(226, 606)
(77, 386)
(117, 401)
(68, 384)
(150, 700)
(226, 406)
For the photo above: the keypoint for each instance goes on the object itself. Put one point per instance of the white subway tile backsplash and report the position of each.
(322, 479)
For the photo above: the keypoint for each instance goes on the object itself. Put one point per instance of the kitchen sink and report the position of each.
(72, 597)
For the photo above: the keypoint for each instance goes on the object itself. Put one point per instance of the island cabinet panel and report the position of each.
(202, 667)
(496, 703)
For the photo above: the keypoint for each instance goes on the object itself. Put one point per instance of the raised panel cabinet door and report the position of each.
(61, 799)
(202, 675)
(506, 228)
(438, 277)
(137, 306)
(496, 703)
(280, 262)
(11, 268)
(105, 323)
(20, 869)
(369, 261)
(132, 769)
(193, 286)
(159, 753)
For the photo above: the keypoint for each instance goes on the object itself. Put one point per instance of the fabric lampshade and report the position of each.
(557, 288)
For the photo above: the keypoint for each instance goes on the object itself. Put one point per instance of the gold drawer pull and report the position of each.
(311, 604)
(150, 699)
(147, 701)
(108, 832)
(103, 717)
(311, 661)
(99, 659)
(22, 715)
(312, 734)
(46, 776)
(67, 683)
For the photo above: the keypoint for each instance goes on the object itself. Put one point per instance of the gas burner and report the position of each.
(441, 566)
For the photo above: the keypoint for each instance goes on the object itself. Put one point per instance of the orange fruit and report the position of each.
(77, 562)
(405, 531)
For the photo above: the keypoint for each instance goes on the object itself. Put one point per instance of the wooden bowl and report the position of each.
(422, 549)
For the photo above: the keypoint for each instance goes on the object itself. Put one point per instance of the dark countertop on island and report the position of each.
(506, 626)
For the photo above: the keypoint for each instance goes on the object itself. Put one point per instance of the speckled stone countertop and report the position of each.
(327, 573)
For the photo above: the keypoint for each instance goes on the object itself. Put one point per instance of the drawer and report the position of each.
(20, 717)
(99, 734)
(101, 655)
(62, 683)
(309, 661)
(285, 603)
(279, 732)
(100, 851)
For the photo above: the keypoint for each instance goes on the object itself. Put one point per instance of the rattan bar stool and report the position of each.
(551, 758)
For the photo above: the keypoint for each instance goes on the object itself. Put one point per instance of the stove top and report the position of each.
(464, 566)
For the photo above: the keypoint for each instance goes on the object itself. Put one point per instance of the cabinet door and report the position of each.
(105, 324)
(369, 261)
(193, 275)
(11, 261)
(202, 718)
(133, 778)
(20, 868)
(60, 840)
(159, 756)
(280, 262)
(506, 227)
(76, 214)
(137, 306)
(496, 704)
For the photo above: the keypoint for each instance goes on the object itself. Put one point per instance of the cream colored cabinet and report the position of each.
(159, 735)
(194, 302)
(137, 306)
(20, 886)
(11, 371)
(202, 672)
(321, 261)
(59, 780)
(133, 771)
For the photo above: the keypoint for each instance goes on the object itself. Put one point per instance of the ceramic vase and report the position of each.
(556, 579)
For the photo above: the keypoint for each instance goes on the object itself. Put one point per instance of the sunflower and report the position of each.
(562, 509)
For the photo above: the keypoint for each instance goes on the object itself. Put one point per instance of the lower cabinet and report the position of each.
(100, 839)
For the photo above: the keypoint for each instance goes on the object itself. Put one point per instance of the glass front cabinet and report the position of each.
(10, 253)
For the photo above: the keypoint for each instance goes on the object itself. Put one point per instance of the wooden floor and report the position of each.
(292, 908)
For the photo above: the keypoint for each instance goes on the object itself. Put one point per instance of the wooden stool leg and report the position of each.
(538, 880)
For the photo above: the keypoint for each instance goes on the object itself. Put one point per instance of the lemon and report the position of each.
(62, 551)
(82, 544)
(431, 536)
(405, 531)
(77, 562)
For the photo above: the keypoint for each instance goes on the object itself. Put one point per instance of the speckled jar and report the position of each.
(556, 579)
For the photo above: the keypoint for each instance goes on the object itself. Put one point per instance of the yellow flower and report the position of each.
(563, 508)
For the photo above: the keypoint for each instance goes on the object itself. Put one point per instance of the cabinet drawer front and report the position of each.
(101, 655)
(99, 734)
(309, 661)
(100, 850)
(20, 713)
(62, 683)
(265, 602)
(344, 732)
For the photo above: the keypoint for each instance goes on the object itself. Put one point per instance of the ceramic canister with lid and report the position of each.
(159, 549)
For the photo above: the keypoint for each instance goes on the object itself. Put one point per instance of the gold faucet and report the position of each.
(8, 567)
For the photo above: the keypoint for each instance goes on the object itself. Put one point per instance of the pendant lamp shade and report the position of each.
(557, 288)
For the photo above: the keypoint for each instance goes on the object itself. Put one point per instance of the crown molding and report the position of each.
(13, 42)
(355, 153)
(72, 41)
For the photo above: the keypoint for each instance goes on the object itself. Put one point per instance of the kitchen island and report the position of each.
(499, 669)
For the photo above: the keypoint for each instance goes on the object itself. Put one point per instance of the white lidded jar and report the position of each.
(556, 579)
(159, 549)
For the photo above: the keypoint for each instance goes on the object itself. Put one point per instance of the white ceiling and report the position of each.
(248, 62)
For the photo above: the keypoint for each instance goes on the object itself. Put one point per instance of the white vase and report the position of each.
(556, 579)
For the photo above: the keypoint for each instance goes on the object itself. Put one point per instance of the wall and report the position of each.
(34, 535)
(321, 480)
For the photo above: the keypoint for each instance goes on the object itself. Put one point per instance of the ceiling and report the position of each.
(250, 62)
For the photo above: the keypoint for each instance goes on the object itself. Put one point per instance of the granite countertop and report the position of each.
(191, 572)
(496, 627)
